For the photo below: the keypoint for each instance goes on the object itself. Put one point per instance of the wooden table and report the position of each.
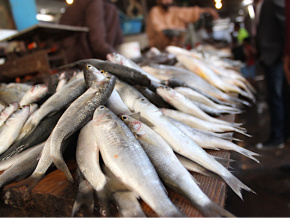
(54, 195)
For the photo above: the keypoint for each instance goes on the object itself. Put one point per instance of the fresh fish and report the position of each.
(55, 103)
(76, 116)
(120, 59)
(87, 157)
(128, 205)
(34, 94)
(7, 111)
(5, 164)
(62, 81)
(124, 156)
(171, 171)
(40, 134)
(200, 124)
(195, 96)
(22, 167)
(181, 77)
(185, 105)
(11, 127)
(200, 68)
(116, 104)
(177, 139)
(12, 92)
(32, 108)
(85, 195)
(153, 97)
(124, 73)
(177, 51)
(208, 141)
(194, 167)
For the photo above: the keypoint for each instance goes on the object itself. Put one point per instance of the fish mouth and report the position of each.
(110, 56)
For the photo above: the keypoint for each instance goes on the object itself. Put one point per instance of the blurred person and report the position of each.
(104, 36)
(271, 44)
(166, 16)
(240, 32)
(249, 70)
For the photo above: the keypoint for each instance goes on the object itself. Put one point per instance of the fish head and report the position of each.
(104, 117)
(132, 123)
(166, 93)
(92, 74)
(39, 90)
(116, 58)
(32, 108)
(21, 113)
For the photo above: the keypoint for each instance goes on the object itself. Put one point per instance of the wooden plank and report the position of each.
(54, 195)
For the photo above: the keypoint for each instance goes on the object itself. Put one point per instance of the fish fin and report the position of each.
(85, 196)
(136, 116)
(147, 122)
(214, 210)
(248, 153)
(236, 185)
(29, 182)
(59, 162)
(221, 160)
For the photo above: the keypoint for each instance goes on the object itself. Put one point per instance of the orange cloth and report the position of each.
(175, 17)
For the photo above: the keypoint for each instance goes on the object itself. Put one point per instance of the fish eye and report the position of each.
(143, 99)
(89, 66)
(124, 117)
(102, 107)
(102, 71)
(167, 88)
(108, 77)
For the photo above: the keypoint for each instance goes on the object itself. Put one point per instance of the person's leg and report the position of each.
(275, 82)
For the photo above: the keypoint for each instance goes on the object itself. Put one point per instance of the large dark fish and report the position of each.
(124, 73)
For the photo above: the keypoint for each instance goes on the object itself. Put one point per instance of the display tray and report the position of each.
(45, 32)
(54, 196)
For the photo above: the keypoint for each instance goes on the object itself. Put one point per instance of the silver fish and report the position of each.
(36, 93)
(171, 171)
(11, 128)
(201, 124)
(124, 156)
(209, 141)
(22, 167)
(56, 102)
(7, 111)
(76, 116)
(87, 157)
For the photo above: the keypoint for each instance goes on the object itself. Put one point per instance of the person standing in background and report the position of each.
(165, 16)
(104, 36)
(271, 43)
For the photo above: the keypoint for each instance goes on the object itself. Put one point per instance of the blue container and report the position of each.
(131, 26)
(24, 13)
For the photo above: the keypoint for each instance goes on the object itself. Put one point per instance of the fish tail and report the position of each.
(84, 197)
(59, 162)
(227, 136)
(236, 185)
(242, 132)
(248, 153)
(29, 182)
(214, 210)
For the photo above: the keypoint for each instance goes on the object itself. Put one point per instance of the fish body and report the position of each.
(124, 156)
(55, 103)
(116, 104)
(185, 105)
(76, 116)
(120, 59)
(171, 171)
(209, 141)
(124, 73)
(22, 167)
(34, 94)
(183, 144)
(7, 111)
(40, 134)
(11, 127)
(87, 157)
(199, 123)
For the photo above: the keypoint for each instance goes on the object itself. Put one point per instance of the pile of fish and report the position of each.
(139, 130)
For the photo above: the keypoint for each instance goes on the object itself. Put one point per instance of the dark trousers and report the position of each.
(277, 101)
